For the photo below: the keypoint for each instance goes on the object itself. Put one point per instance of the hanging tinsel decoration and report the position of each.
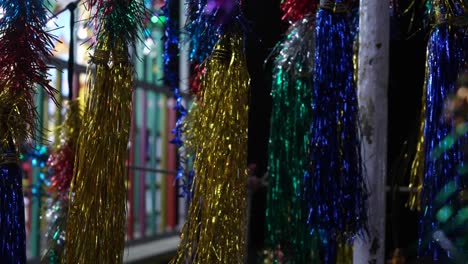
(334, 185)
(205, 20)
(446, 56)
(417, 166)
(95, 231)
(202, 35)
(286, 212)
(216, 129)
(171, 76)
(60, 163)
(12, 230)
(216, 132)
(24, 49)
(200, 29)
(295, 10)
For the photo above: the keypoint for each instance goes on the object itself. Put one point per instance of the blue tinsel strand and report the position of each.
(334, 184)
(33, 10)
(201, 31)
(204, 26)
(12, 228)
(446, 54)
(171, 69)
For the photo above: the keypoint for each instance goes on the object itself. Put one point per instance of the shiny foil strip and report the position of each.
(96, 221)
(216, 133)
(60, 163)
(287, 232)
(446, 57)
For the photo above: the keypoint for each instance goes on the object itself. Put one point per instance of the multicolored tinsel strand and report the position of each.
(60, 163)
(446, 56)
(286, 212)
(25, 46)
(120, 22)
(334, 185)
(202, 34)
(201, 31)
(95, 230)
(216, 130)
(206, 22)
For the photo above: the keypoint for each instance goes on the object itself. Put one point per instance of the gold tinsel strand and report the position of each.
(15, 113)
(417, 167)
(70, 129)
(344, 254)
(60, 165)
(96, 226)
(216, 131)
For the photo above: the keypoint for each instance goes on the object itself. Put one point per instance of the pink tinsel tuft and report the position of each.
(61, 166)
(297, 9)
(195, 83)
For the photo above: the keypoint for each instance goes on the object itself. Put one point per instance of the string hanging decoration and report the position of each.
(95, 231)
(295, 10)
(216, 130)
(60, 165)
(446, 56)
(206, 21)
(334, 184)
(171, 76)
(25, 47)
(287, 234)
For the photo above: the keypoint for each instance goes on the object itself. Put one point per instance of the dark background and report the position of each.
(407, 66)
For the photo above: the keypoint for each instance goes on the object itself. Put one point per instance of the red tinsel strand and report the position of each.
(195, 80)
(61, 165)
(295, 10)
(24, 48)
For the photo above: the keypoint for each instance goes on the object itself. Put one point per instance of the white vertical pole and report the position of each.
(184, 70)
(373, 67)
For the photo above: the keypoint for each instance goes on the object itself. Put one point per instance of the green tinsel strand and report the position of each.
(287, 236)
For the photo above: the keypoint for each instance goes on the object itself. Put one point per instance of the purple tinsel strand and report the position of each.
(446, 51)
(334, 189)
(12, 228)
